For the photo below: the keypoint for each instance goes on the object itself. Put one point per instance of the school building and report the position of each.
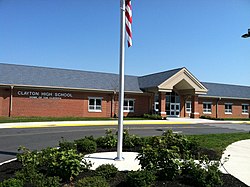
(41, 91)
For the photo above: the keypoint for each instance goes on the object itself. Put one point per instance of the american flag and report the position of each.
(128, 14)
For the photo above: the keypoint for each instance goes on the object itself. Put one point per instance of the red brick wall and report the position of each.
(76, 106)
(141, 105)
(236, 108)
(4, 101)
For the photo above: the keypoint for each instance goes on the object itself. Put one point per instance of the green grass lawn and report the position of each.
(218, 142)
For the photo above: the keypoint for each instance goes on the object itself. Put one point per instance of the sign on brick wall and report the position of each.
(44, 95)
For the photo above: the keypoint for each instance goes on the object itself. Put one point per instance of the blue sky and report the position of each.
(202, 35)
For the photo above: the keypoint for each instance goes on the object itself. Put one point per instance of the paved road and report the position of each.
(39, 138)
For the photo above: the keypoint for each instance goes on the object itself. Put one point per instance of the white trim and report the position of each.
(128, 110)
(222, 97)
(65, 88)
(95, 110)
(245, 113)
(227, 111)
(188, 112)
(207, 110)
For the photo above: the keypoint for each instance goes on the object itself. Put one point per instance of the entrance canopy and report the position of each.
(179, 79)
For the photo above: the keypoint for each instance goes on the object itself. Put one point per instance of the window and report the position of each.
(128, 105)
(156, 103)
(228, 108)
(207, 108)
(95, 104)
(244, 108)
(188, 107)
(156, 107)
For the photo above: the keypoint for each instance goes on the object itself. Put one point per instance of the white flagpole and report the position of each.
(121, 83)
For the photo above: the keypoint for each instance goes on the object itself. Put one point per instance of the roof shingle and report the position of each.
(227, 90)
(63, 78)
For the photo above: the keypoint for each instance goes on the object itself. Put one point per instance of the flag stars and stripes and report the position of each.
(128, 14)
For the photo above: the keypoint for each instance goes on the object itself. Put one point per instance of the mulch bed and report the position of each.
(8, 170)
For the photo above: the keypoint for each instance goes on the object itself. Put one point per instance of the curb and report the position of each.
(8, 161)
(111, 123)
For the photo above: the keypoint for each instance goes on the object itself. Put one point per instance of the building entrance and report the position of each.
(175, 109)
(173, 104)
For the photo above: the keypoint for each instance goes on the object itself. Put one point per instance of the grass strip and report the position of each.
(218, 142)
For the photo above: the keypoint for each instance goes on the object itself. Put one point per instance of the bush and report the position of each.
(31, 177)
(205, 173)
(163, 154)
(96, 181)
(66, 145)
(11, 183)
(66, 164)
(131, 141)
(107, 141)
(107, 171)
(152, 116)
(86, 145)
(142, 178)
(165, 162)
(54, 162)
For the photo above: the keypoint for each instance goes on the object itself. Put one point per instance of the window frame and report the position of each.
(245, 111)
(228, 111)
(127, 108)
(206, 110)
(95, 109)
(190, 108)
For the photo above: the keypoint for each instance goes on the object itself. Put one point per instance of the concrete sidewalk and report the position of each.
(238, 163)
(115, 122)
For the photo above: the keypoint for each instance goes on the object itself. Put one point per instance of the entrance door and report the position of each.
(175, 109)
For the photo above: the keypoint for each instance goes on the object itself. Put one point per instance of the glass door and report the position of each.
(175, 109)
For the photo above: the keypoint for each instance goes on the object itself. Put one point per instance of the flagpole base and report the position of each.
(119, 159)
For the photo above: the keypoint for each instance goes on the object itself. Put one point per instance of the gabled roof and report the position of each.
(179, 78)
(154, 80)
(22, 75)
(32, 76)
(226, 90)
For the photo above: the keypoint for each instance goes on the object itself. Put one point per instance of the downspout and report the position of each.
(11, 100)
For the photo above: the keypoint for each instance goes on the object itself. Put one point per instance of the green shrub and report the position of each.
(130, 141)
(152, 116)
(163, 153)
(95, 181)
(55, 162)
(107, 171)
(66, 145)
(66, 164)
(142, 178)
(204, 174)
(28, 157)
(107, 141)
(86, 145)
(12, 182)
(31, 177)
(165, 162)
